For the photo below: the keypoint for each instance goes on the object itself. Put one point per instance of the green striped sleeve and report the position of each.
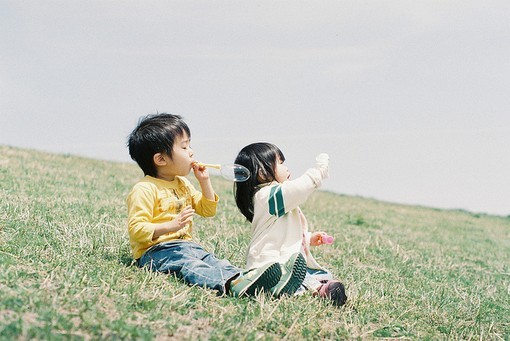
(275, 201)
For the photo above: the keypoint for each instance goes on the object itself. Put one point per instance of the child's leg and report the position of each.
(293, 274)
(190, 262)
(243, 283)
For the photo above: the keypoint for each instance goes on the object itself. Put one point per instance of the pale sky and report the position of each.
(410, 98)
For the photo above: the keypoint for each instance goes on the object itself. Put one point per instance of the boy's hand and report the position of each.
(202, 176)
(184, 217)
(201, 173)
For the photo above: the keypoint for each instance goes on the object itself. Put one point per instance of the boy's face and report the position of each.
(181, 161)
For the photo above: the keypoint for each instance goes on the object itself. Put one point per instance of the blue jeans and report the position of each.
(190, 262)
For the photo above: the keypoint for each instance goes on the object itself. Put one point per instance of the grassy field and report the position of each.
(66, 270)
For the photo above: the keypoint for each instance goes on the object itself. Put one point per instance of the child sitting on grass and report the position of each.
(270, 201)
(161, 208)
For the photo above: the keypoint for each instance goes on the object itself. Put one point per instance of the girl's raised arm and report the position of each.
(292, 193)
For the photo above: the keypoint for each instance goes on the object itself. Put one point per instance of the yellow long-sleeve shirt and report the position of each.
(154, 201)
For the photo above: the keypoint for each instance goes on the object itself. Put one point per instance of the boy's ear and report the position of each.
(159, 159)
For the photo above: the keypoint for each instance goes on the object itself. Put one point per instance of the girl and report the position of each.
(270, 201)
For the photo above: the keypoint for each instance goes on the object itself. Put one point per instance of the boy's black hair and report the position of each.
(154, 134)
(260, 158)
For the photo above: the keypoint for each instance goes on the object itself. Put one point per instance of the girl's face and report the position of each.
(281, 171)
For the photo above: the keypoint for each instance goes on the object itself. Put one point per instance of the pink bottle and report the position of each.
(327, 239)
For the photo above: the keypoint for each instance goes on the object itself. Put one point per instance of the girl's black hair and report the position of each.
(260, 159)
(155, 134)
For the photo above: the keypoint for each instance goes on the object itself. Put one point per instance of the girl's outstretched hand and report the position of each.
(322, 164)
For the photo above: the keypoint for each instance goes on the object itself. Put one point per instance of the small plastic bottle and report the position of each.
(327, 239)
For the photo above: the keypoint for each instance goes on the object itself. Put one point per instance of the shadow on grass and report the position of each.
(127, 260)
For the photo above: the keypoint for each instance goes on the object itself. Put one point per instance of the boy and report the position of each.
(161, 208)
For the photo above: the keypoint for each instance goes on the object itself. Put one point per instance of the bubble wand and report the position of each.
(232, 172)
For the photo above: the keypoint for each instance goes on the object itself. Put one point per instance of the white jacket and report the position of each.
(279, 227)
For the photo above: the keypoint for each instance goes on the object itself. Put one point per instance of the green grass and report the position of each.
(66, 270)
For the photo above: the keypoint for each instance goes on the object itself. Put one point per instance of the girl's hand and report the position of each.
(315, 239)
(320, 238)
(183, 218)
(322, 164)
